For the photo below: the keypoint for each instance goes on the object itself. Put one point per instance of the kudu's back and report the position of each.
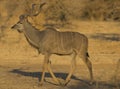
(57, 42)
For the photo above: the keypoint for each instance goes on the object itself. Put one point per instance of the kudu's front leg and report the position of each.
(46, 65)
(52, 74)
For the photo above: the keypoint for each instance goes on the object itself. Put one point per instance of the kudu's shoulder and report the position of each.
(50, 29)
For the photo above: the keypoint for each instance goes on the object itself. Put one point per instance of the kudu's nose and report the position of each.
(12, 27)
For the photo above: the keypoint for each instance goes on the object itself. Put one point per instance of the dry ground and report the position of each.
(20, 65)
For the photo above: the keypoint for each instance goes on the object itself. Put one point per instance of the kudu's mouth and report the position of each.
(13, 27)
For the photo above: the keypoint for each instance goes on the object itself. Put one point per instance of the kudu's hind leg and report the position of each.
(73, 67)
(89, 65)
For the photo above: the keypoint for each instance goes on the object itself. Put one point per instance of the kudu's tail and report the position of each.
(87, 54)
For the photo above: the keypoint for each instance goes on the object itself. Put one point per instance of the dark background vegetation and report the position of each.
(62, 11)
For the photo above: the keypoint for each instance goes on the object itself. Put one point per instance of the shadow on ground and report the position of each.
(104, 36)
(80, 84)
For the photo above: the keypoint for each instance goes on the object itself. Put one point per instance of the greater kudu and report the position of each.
(50, 41)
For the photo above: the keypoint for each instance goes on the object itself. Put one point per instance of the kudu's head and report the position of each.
(19, 26)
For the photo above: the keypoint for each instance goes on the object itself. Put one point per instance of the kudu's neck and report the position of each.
(31, 33)
(28, 28)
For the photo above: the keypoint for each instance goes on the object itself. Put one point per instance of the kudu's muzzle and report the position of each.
(13, 27)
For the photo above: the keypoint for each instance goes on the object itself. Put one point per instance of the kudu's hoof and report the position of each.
(92, 82)
(64, 83)
(40, 84)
